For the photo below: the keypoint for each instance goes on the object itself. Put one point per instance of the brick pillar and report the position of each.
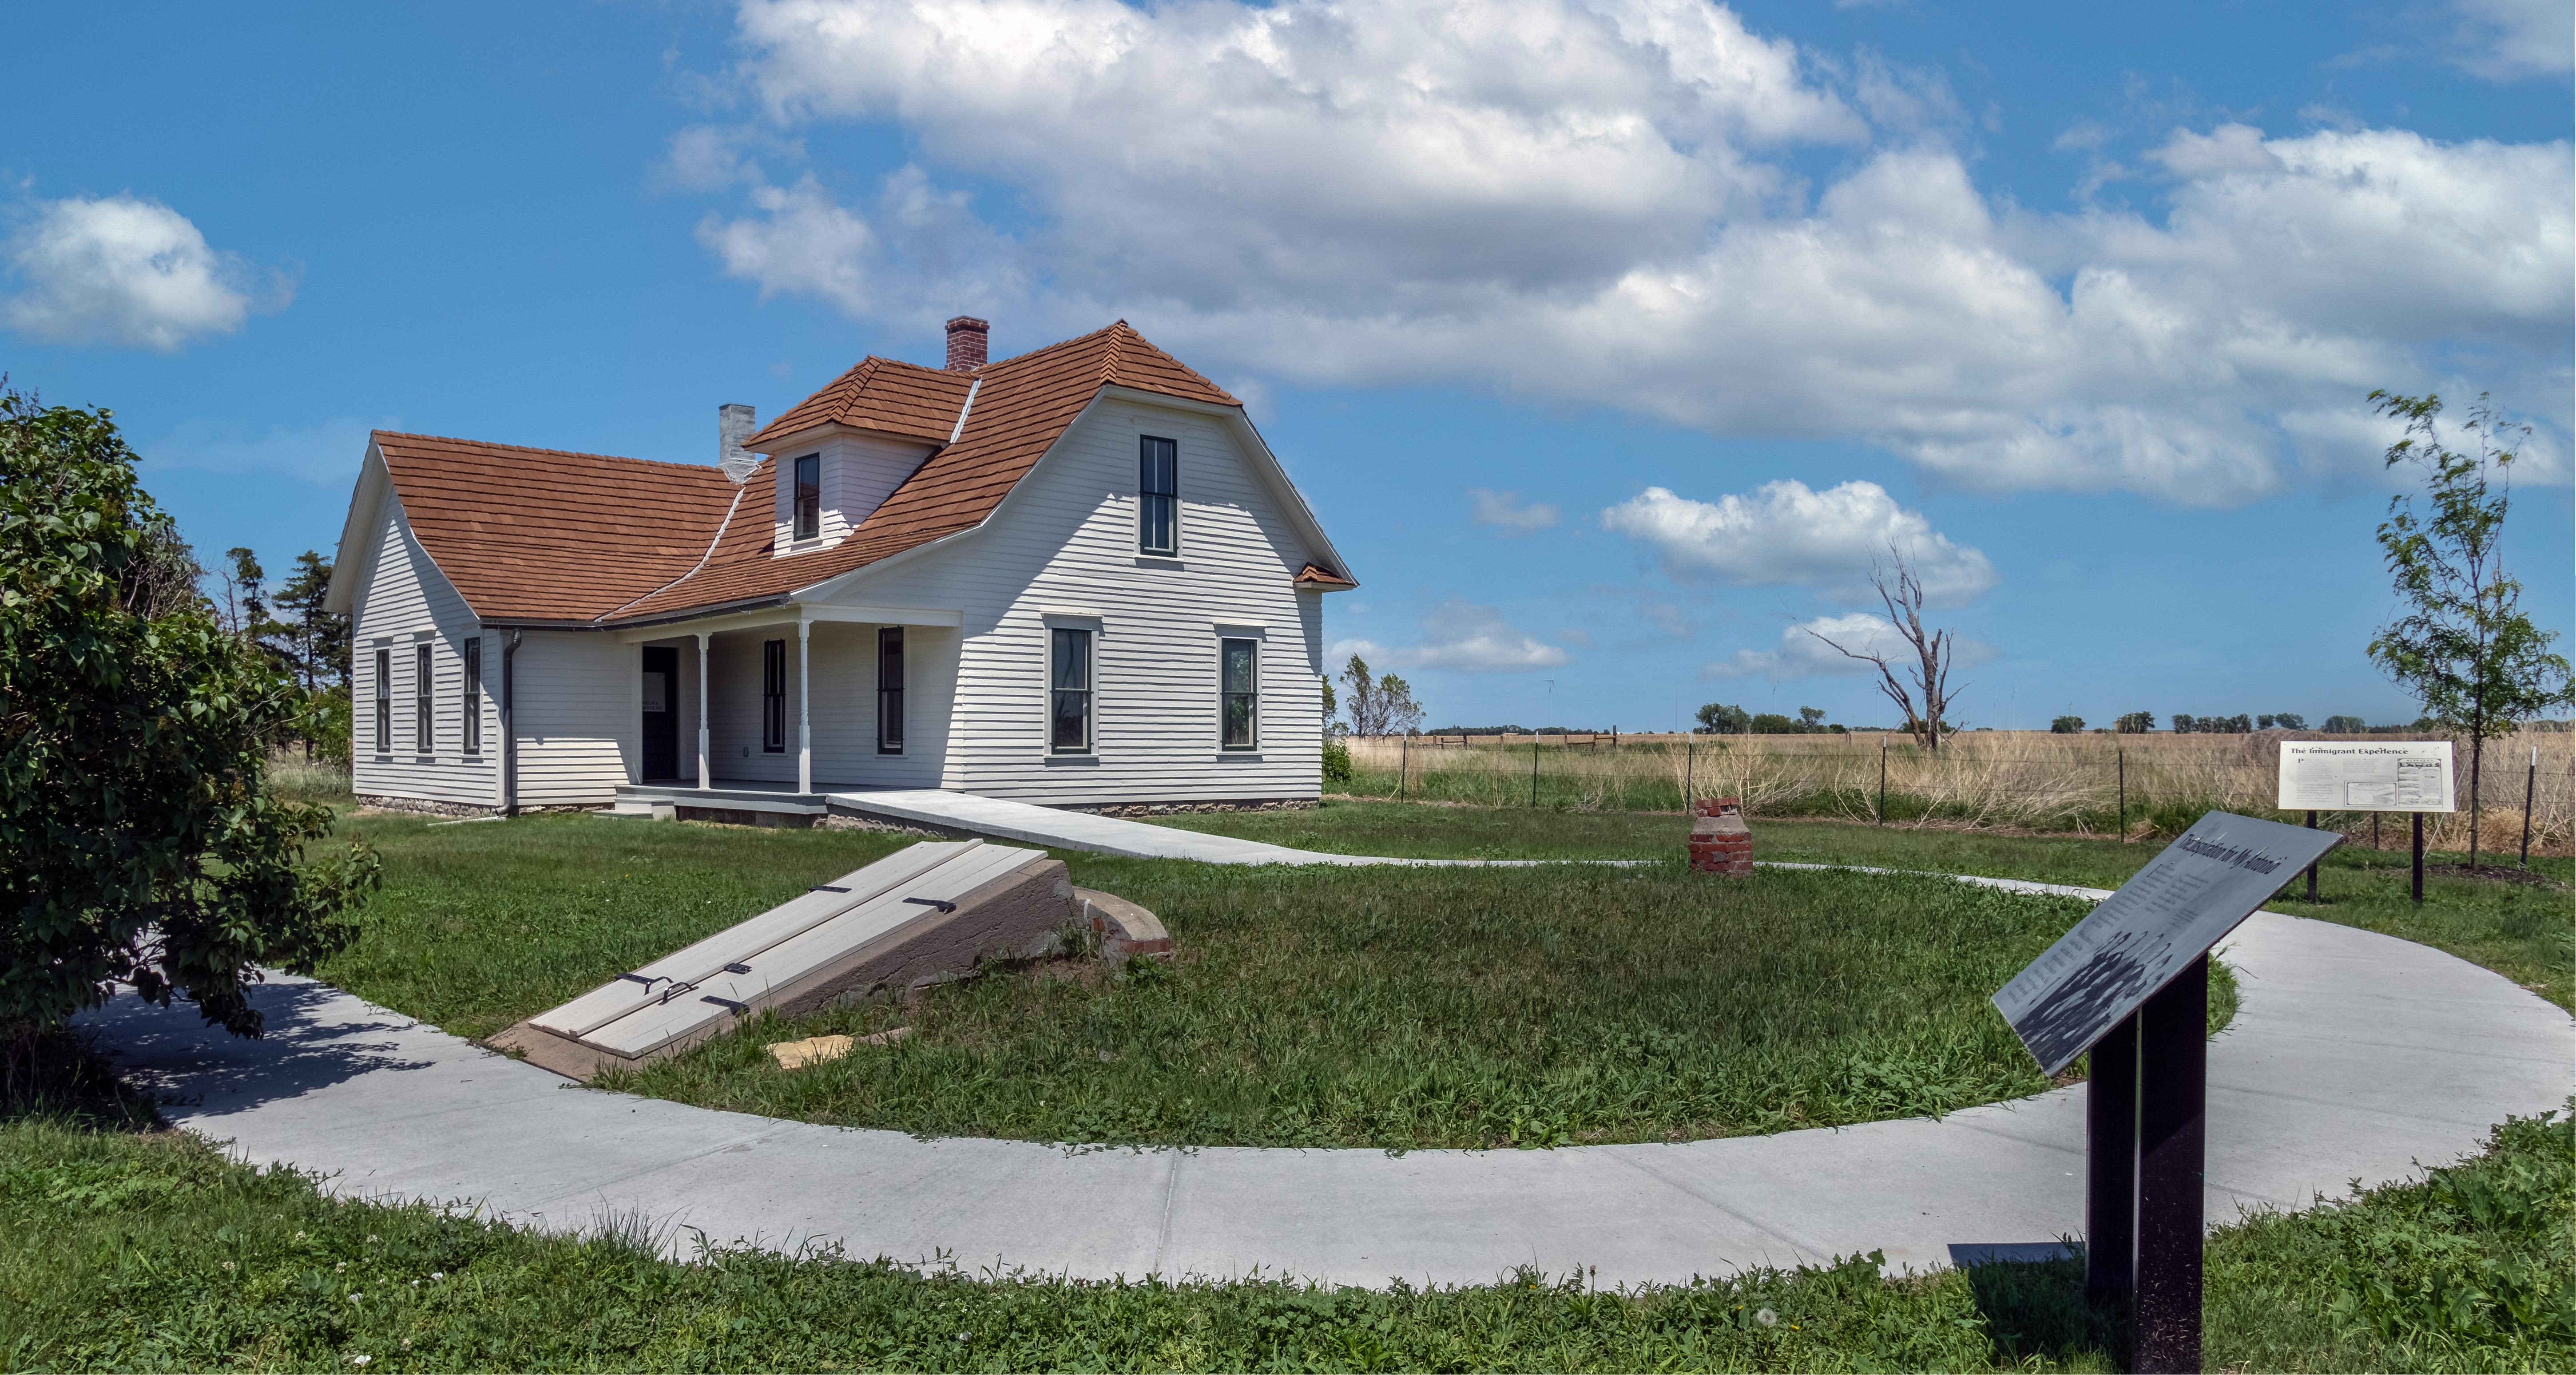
(1720, 842)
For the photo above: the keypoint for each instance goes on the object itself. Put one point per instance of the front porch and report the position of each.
(793, 702)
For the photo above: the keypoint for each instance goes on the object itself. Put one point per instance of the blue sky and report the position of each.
(1545, 305)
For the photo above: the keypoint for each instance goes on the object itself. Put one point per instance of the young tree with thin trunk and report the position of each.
(1926, 671)
(2464, 647)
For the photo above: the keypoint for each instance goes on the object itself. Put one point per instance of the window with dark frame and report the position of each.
(384, 701)
(471, 711)
(773, 697)
(1158, 496)
(890, 689)
(809, 496)
(1239, 694)
(1069, 691)
(421, 741)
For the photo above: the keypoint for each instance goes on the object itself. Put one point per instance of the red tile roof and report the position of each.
(539, 535)
(879, 394)
(546, 535)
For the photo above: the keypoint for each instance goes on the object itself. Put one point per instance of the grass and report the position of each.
(151, 1251)
(2524, 932)
(1393, 1008)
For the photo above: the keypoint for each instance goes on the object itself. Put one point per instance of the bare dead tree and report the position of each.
(1930, 670)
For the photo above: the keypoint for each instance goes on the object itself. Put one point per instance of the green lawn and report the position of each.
(2525, 932)
(1396, 1007)
(129, 1251)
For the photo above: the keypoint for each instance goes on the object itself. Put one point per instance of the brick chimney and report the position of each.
(966, 338)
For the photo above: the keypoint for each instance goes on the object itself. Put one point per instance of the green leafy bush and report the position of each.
(136, 840)
(1337, 762)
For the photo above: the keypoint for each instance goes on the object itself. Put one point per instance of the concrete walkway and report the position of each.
(1030, 824)
(2354, 1055)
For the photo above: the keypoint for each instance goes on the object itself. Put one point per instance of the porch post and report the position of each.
(705, 779)
(804, 706)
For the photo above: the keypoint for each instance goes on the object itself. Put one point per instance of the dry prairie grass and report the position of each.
(2025, 780)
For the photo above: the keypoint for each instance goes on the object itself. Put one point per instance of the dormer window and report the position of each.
(809, 497)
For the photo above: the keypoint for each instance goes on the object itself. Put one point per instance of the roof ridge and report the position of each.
(535, 449)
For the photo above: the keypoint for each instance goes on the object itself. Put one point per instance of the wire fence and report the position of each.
(2104, 785)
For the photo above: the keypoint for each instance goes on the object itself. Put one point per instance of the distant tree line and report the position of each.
(1720, 718)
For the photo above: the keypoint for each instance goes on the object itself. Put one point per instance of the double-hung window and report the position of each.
(384, 701)
(890, 689)
(809, 496)
(420, 702)
(1069, 691)
(471, 709)
(773, 697)
(1239, 694)
(1158, 496)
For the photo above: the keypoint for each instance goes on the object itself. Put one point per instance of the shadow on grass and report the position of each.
(2039, 1309)
(56, 1073)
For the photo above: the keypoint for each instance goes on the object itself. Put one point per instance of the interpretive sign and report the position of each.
(2366, 776)
(2159, 922)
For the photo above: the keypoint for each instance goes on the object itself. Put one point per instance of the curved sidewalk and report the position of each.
(2353, 1055)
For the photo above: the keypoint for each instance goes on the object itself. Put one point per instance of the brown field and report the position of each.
(2028, 780)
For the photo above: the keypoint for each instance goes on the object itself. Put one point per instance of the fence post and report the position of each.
(2529, 781)
(1403, 761)
(1881, 817)
(2120, 759)
(1533, 769)
(1690, 762)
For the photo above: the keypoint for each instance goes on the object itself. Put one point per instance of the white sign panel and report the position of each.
(2366, 776)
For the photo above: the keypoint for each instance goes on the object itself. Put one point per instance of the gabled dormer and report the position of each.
(839, 453)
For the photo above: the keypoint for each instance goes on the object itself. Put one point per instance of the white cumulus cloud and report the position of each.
(122, 270)
(1801, 653)
(1784, 533)
(2505, 39)
(1504, 512)
(1596, 202)
(1464, 636)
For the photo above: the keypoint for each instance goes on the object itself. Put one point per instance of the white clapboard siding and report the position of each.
(1065, 542)
(402, 602)
(577, 713)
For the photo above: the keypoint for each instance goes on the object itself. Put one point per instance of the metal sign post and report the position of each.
(2130, 984)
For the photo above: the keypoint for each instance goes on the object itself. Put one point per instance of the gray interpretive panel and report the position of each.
(2182, 903)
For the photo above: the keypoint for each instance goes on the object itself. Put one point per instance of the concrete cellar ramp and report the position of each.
(919, 915)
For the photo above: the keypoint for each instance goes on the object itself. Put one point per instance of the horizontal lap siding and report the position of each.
(845, 707)
(579, 696)
(404, 601)
(1066, 540)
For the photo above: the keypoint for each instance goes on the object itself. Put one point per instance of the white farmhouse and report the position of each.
(1077, 577)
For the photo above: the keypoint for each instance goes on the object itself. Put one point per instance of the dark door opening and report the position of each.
(661, 715)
